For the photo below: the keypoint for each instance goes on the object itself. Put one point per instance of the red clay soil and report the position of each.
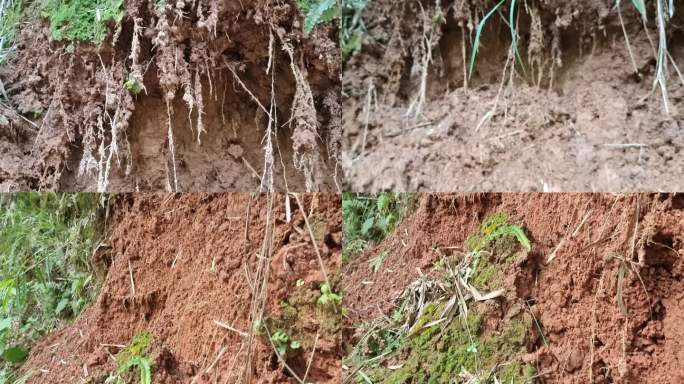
(189, 260)
(70, 123)
(573, 296)
(577, 118)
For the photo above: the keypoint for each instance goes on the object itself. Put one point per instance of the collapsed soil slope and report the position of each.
(179, 263)
(586, 336)
(206, 95)
(574, 115)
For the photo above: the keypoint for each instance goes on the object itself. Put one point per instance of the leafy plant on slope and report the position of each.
(45, 275)
(369, 218)
(493, 227)
(353, 30)
(134, 358)
(329, 298)
(317, 12)
(283, 343)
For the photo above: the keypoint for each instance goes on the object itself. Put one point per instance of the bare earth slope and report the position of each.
(573, 117)
(574, 297)
(176, 265)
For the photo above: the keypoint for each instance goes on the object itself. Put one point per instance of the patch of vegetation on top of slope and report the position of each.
(369, 218)
(437, 332)
(81, 20)
(11, 12)
(46, 243)
(318, 12)
(353, 30)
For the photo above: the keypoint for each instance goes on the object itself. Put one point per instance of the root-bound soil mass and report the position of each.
(482, 95)
(135, 95)
(524, 288)
(205, 289)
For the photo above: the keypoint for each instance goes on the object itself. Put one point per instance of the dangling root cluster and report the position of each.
(176, 52)
(415, 50)
(305, 124)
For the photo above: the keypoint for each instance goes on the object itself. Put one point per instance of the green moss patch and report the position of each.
(437, 355)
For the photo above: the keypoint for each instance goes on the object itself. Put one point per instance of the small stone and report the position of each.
(575, 361)
(236, 151)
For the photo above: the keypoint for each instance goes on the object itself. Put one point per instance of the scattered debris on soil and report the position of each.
(178, 96)
(567, 107)
(597, 297)
(206, 288)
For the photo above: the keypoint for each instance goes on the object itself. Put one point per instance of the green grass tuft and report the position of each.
(369, 218)
(639, 5)
(10, 17)
(81, 20)
(438, 354)
(478, 33)
(353, 29)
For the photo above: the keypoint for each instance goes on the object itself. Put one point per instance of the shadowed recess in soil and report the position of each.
(180, 96)
(570, 111)
(206, 275)
(598, 297)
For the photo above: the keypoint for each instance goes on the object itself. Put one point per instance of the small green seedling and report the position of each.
(133, 86)
(493, 227)
(133, 358)
(328, 297)
(376, 262)
(438, 18)
(472, 348)
(283, 343)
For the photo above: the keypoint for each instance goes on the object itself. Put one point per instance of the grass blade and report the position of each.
(514, 35)
(640, 6)
(478, 31)
(365, 377)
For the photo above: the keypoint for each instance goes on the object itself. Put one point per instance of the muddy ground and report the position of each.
(574, 116)
(589, 329)
(177, 264)
(213, 72)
